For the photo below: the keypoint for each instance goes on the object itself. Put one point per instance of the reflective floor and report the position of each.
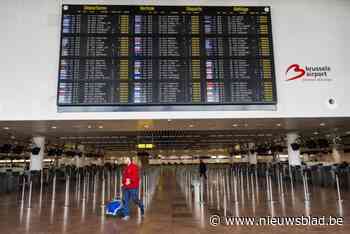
(172, 209)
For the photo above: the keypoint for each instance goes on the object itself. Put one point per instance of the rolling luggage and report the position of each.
(114, 207)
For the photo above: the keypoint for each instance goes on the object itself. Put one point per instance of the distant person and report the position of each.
(130, 182)
(202, 169)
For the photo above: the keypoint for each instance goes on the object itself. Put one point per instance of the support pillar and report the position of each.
(293, 155)
(36, 161)
(252, 156)
(80, 160)
(336, 154)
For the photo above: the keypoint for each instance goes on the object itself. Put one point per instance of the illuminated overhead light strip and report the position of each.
(91, 137)
(22, 160)
(145, 146)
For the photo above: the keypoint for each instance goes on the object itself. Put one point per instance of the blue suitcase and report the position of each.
(114, 207)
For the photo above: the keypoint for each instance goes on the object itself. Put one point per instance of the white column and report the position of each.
(336, 154)
(77, 161)
(80, 161)
(252, 156)
(293, 156)
(36, 161)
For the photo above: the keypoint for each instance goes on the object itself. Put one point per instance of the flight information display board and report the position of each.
(165, 55)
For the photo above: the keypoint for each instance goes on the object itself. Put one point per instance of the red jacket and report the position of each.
(131, 172)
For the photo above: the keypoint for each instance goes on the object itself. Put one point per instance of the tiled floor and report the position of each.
(168, 212)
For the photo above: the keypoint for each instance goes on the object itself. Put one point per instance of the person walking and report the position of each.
(130, 182)
(202, 169)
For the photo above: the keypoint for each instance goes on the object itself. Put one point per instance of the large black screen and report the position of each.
(165, 55)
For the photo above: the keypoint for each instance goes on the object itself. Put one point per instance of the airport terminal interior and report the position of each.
(248, 174)
(179, 117)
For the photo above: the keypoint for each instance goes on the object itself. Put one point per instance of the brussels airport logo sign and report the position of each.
(308, 73)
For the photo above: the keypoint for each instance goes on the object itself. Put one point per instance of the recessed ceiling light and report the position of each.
(322, 124)
(315, 133)
(100, 126)
(6, 128)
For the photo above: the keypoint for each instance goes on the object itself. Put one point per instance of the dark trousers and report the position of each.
(131, 194)
(203, 174)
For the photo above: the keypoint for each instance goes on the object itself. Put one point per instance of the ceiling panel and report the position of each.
(169, 134)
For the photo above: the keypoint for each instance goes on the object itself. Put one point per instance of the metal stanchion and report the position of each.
(270, 187)
(268, 195)
(278, 180)
(256, 182)
(242, 185)
(253, 192)
(30, 193)
(291, 178)
(115, 183)
(217, 191)
(225, 197)
(54, 187)
(338, 186)
(87, 185)
(23, 188)
(76, 184)
(79, 186)
(228, 189)
(282, 185)
(41, 191)
(247, 181)
(211, 189)
(207, 187)
(41, 187)
(103, 190)
(47, 177)
(84, 186)
(143, 182)
(305, 183)
(252, 185)
(340, 200)
(235, 186)
(66, 198)
(146, 190)
(120, 184)
(95, 192)
(108, 184)
(201, 198)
